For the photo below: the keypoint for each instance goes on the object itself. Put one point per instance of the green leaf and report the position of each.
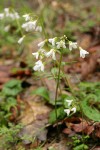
(67, 63)
(91, 99)
(91, 112)
(43, 92)
(12, 88)
(80, 147)
(60, 115)
(88, 87)
(10, 102)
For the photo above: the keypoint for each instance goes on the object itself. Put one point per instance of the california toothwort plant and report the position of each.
(50, 48)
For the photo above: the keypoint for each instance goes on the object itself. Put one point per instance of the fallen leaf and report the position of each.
(89, 129)
(97, 130)
(78, 125)
(68, 131)
(34, 118)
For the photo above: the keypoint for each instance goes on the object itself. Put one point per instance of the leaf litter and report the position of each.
(34, 112)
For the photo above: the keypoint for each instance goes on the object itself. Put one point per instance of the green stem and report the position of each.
(57, 86)
(42, 24)
(74, 96)
(18, 24)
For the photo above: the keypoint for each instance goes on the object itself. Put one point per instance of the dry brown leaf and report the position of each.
(97, 130)
(4, 73)
(21, 73)
(89, 129)
(89, 66)
(34, 119)
(78, 125)
(61, 145)
(68, 131)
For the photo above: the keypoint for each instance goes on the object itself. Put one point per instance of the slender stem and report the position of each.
(42, 24)
(57, 86)
(18, 24)
(71, 89)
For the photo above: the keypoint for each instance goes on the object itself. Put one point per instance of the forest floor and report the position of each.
(26, 121)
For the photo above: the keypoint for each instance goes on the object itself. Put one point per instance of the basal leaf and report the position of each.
(12, 88)
(91, 112)
(43, 92)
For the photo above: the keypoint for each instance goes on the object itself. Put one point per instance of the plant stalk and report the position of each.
(57, 87)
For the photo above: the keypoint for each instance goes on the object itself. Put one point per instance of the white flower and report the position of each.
(61, 44)
(72, 45)
(39, 53)
(39, 66)
(41, 44)
(52, 41)
(27, 17)
(1, 16)
(36, 54)
(7, 28)
(21, 40)
(69, 102)
(15, 16)
(29, 26)
(38, 28)
(73, 109)
(67, 111)
(83, 52)
(51, 53)
(11, 16)
(6, 10)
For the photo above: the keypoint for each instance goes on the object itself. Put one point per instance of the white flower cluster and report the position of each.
(9, 14)
(73, 45)
(30, 25)
(72, 109)
(54, 45)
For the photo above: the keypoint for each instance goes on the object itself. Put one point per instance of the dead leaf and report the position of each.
(89, 129)
(21, 73)
(89, 66)
(97, 130)
(78, 125)
(34, 118)
(61, 145)
(4, 74)
(68, 131)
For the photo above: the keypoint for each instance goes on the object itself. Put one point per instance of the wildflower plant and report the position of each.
(49, 49)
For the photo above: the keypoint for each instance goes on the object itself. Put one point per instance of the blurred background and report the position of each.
(79, 20)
